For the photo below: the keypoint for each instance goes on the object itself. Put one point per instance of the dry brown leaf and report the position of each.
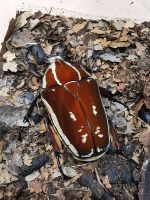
(77, 27)
(124, 38)
(35, 186)
(22, 20)
(138, 105)
(98, 31)
(144, 138)
(122, 86)
(45, 173)
(116, 44)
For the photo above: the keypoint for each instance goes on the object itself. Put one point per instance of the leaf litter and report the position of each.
(112, 51)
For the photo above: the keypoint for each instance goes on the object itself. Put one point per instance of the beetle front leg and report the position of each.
(41, 58)
(31, 108)
(55, 146)
(107, 94)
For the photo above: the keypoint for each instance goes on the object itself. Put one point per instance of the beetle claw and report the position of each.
(26, 118)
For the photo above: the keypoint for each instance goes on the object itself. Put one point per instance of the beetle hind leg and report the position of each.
(55, 146)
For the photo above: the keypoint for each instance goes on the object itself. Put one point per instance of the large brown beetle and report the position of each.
(75, 110)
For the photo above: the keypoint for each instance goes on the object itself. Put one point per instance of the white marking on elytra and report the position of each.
(88, 80)
(97, 130)
(58, 128)
(72, 116)
(99, 150)
(53, 90)
(80, 130)
(100, 135)
(88, 155)
(94, 110)
(84, 138)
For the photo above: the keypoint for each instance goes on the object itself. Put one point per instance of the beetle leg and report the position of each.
(36, 50)
(107, 94)
(55, 146)
(114, 135)
(31, 108)
(120, 151)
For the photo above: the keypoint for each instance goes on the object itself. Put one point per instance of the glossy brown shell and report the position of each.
(73, 100)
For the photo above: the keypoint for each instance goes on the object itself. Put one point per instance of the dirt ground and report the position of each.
(117, 55)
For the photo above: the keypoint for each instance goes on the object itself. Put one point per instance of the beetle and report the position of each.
(75, 109)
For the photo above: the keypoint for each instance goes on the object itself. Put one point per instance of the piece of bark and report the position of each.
(37, 163)
(96, 188)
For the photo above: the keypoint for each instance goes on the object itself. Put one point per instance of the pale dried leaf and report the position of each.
(140, 50)
(116, 44)
(22, 20)
(98, 31)
(110, 57)
(77, 27)
(27, 160)
(9, 56)
(105, 180)
(129, 24)
(69, 171)
(12, 66)
(34, 23)
(32, 176)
